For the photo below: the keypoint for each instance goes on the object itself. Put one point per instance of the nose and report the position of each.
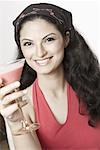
(40, 51)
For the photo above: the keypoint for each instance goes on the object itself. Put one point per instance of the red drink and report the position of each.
(11, 72)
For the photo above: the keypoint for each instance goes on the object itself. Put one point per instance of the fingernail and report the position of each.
(17, 83)
(25, 91)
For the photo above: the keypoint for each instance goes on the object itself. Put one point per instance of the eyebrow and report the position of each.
(42, 39)
(48, 35)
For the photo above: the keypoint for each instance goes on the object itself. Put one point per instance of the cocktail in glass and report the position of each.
(11, 72)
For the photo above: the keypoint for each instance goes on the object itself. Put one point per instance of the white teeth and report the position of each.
(43, 62)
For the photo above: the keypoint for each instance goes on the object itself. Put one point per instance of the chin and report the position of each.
(44, 72)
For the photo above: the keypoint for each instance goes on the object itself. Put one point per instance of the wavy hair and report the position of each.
(81, 70)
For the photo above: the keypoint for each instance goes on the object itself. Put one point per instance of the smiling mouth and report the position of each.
(43, 62)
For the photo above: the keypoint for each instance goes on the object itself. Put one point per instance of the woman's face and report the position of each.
(42, 46)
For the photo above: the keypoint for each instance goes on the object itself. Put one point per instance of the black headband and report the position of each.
(63, 17)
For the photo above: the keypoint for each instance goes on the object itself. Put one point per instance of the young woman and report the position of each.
(62, 78)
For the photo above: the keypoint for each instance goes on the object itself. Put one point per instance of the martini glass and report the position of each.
(11, 72)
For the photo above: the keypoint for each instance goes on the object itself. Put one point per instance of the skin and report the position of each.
(44, 52)
(43, 48)
(36, 48)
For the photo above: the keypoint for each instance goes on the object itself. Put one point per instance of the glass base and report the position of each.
(27, 128)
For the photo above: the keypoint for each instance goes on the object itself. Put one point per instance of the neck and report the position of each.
(53, 82)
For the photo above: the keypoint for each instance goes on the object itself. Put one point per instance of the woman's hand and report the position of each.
(10, 109)
(7, 99)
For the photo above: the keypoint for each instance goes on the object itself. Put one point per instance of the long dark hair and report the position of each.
(81, 70)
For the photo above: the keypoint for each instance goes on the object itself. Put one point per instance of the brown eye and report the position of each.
(27, 44)
(50, 39)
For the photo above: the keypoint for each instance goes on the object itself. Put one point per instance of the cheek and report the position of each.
(59, 49)
(27, 54)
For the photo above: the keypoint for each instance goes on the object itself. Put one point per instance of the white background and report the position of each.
(86, 19)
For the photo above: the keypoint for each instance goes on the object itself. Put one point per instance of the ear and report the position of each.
(67, 35)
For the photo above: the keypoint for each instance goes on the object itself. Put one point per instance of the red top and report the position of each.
(74, 134)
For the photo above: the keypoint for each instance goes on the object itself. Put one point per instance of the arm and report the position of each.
(26, 142)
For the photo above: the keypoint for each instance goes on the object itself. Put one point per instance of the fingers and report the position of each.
(9, 110)
(11, 97)
(8, 88)
(8, 103)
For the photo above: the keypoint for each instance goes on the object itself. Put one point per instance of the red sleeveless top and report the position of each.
(74, 134)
